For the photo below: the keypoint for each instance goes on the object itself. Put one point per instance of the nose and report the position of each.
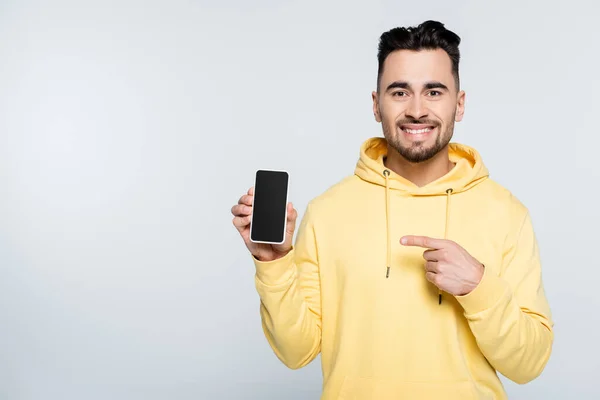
(416, 108)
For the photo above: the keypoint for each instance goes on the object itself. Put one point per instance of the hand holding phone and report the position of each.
(264, 218)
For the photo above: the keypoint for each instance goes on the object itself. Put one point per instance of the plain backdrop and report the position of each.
(128, 129)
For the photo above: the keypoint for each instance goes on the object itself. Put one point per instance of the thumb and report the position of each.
(292, 215)
(290, 227)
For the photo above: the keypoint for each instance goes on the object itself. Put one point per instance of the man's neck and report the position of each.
(419, 173)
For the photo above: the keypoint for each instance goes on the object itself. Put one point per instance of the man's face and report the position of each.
(418, 103)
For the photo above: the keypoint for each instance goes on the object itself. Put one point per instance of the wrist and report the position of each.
(273, 256)
(476, 281)
(273, 272)
(486, 294)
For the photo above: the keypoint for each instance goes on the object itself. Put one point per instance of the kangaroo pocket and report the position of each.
(388, 389)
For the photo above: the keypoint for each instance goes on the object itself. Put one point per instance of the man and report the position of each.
(417, 277)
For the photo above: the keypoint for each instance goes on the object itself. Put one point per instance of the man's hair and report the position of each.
(430, 35)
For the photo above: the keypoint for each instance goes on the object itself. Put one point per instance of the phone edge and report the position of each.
(287, 197)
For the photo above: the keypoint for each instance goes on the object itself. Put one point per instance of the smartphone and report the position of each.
(269, 209)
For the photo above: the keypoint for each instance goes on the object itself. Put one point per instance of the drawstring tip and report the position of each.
(440, 298)
(387, 274)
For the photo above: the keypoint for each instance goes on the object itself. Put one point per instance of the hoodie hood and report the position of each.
(468, 171)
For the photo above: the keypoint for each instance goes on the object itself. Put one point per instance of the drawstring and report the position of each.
(386, 173)
(448, 193)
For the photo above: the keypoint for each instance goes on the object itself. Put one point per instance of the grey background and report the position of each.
(128, 129)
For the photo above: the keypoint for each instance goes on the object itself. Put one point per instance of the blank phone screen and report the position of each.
(269, 207)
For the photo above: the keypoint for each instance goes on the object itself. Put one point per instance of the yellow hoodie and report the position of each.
(389, 337)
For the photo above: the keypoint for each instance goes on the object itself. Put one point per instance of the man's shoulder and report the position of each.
(500, 198)
(335, 193)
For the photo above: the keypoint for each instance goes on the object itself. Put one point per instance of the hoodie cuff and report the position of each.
(276, 272)
(488, 293)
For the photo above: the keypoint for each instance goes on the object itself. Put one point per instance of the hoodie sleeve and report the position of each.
(509, 314)
(290, 301)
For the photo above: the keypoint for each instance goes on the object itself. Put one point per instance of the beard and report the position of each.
(417, 152)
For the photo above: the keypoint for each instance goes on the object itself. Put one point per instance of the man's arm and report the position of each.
(290, 302)
(509, 314)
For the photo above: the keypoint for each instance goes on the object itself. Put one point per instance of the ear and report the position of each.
(376, 113)
(460, 106)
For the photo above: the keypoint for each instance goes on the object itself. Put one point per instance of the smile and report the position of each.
(417, 131)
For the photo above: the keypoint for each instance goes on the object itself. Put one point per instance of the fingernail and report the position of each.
(403, 240)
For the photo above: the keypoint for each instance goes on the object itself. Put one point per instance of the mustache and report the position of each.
(417, 121)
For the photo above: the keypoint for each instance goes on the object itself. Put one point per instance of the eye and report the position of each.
(399, 94)
(435, 93)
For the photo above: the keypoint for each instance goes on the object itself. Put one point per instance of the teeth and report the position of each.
(417, 131)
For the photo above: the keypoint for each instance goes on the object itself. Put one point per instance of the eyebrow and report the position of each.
(406, 85)
(435, 85)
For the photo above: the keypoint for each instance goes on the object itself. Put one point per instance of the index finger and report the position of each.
(423, 241)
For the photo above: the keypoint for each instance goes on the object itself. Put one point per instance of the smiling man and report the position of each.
(418, 276)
